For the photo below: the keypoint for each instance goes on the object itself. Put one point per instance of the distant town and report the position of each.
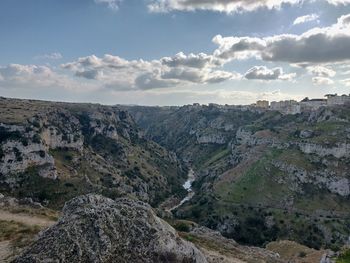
(295, 107)
(289, 106)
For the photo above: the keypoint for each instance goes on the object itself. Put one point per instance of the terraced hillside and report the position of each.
(52, 152)
(262, 176)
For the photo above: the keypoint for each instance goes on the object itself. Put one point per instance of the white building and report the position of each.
(286, 107)
(313, 104)
(264, 104)
(334, 99)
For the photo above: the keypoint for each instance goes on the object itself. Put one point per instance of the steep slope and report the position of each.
(97, 229)
(94, 228)
(262, 176)
(52, 152)
(200, 134)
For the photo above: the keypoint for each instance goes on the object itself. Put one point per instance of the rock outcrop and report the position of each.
(78, 149)
(98, 229)
(211, 138)
(217, 248)
(253, 166)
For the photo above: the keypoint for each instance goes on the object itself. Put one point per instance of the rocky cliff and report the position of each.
(97, 229)
(52, 152)
(94, 228)
(262, 176)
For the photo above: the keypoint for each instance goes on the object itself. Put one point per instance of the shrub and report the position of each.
(36, 138)
(183, 227)
(302, 254)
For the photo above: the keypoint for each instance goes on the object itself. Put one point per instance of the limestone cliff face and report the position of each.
(97, 229)
(324, 179)
(211, 138)
(21, 149)
(17, 157)
(261, 165)
(328, 178)
(28, 145)
(340, 150)
(81, 148)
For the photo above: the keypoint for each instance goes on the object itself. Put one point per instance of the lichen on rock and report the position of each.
(94, 228)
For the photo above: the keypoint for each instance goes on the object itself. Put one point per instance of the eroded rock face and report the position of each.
(98, 229)
(322, 178)
(211, 138)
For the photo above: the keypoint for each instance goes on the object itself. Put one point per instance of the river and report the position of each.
(188, 187)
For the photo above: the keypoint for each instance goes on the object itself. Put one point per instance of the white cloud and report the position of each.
(34, 77)
(139, 74)
(321, 71)
(322, 81)
(226, 6)
(338, 2)
(53, 56)
(305, 19)
(266, 74)
(346, 82)
(112, 4)
(200, 60)
(316, 46)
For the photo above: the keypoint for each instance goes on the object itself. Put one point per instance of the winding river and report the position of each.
(188, 186)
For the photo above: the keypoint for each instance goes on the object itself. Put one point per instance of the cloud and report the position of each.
(316, 46)
(112, 4)
(321, 71)
(305, 19)
(23, 72)
(315, 50)
(322, 81)
(200, 60)
(346, 82)
(338, 2)
(264, 73)
(226, 6)
(53, 56)
(238, 47)
(33, 77)
(166, 72)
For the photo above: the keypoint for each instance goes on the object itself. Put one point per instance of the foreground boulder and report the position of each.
(97, 229)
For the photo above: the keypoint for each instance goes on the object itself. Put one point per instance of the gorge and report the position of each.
(215, 174)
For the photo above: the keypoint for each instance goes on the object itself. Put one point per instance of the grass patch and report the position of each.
(217, 155)
(10, 230)
(344, 257)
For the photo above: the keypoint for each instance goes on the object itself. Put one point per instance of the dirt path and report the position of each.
(25, 219)
(6, 249)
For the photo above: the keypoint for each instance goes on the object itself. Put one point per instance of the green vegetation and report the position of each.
(182, 226)
(55, 192)
(15, 231)
(9, 135)
(344, 257)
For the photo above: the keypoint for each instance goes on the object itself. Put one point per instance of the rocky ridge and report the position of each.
(261, 175)
(97, 229)
(52, 152)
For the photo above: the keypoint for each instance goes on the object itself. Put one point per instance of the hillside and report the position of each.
(123, 230)
(262, 176)
(52, 152)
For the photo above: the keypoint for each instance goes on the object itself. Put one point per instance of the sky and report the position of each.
(174, 52)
